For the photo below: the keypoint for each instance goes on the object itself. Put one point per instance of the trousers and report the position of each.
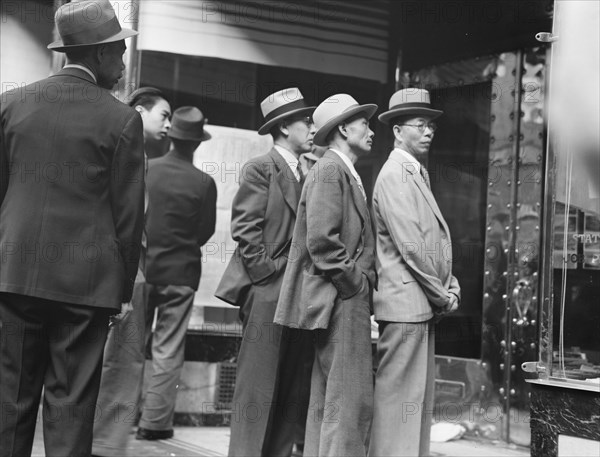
(121, 383)
(341, 397)
(57, 346)
(404, 389)
(173, 308)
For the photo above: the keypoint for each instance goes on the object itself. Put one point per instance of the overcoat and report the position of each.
(315, 277)
(72, 192)
(182, 207)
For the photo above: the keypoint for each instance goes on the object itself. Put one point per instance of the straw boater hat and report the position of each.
(410, 101)
(86, 23)
(188, 124)
(333, 111)
(282, 104)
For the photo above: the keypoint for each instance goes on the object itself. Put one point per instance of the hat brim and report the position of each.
(186, 136)
(266, 127)
(59, 46)
(322, 133)
(393, 113)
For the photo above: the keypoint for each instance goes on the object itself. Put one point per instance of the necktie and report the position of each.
(360, 186)
(299, 173)
(425, 175)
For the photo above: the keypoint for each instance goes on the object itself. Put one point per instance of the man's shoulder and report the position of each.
(204, 179)
(260, 160)
(393, 169)
(66, 88)
(328, 169)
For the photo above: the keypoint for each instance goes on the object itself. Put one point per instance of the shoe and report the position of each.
(145, 434)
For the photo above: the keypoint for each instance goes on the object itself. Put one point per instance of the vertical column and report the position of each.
(128, 12)
(499, 243)
(529, 192)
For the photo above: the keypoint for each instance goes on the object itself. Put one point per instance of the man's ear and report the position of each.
(100, 53)
(283, 128)
(343, 129)
(397, 131)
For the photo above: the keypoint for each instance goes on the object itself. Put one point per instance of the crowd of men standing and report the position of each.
(311, 258)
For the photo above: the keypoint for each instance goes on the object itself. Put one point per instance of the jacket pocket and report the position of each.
(407, 276)
(316, 301)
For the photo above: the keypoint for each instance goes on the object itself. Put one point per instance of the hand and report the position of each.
(452, 305)
(126, 308)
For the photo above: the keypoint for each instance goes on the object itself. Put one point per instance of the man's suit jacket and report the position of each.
(71, 192)
(262, 223)
(332, 248)
(414, 250)
(182, 209)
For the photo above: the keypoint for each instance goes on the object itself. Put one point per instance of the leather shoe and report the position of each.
(145, 434)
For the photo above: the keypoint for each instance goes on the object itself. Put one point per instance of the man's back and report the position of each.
(181, 218)
(72, 171)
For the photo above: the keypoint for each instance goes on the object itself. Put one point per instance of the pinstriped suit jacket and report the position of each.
(71, 192)
(414, 250)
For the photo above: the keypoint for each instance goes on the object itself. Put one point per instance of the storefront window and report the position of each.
(576, 269)
(574, 214)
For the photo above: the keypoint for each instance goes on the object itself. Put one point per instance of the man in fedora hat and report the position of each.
(414, 254)
(328, 286)
(182, 206)
(71, 220)
(271, 392)
(124, 352)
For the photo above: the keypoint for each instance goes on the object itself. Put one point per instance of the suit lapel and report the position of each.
(429, 198)
(290, 187)
(357, 196)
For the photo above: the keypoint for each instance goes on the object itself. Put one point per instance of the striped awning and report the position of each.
(334, 37)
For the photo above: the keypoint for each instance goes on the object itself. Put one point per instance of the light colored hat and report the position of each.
(333, 111)
(86, 23)
(188, 124)
(280, 105)
(409, 101)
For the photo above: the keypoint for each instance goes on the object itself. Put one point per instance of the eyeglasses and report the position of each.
(421, 126)
(308, 120)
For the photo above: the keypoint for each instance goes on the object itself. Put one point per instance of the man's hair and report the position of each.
(79, 53)
(183, 144)
(275, 131)
(332, 132)
(146, 97)
(399, 120)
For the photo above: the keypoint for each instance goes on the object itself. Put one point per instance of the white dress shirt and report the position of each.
(290, 159)
(83, 68)
(350, 165)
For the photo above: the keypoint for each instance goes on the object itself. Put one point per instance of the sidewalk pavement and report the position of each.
(214, 441)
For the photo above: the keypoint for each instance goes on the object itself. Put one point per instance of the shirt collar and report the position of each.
(407, 160)
(348, 163)
(83, 68)
(288, 156)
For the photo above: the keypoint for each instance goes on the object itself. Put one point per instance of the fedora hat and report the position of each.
(335, 110)
(188, 124)
(86, 23)
(282, 104)
(411, 101)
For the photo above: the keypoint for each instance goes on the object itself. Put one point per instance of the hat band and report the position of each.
(93, 35)
(411, 105)
(298, 104)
